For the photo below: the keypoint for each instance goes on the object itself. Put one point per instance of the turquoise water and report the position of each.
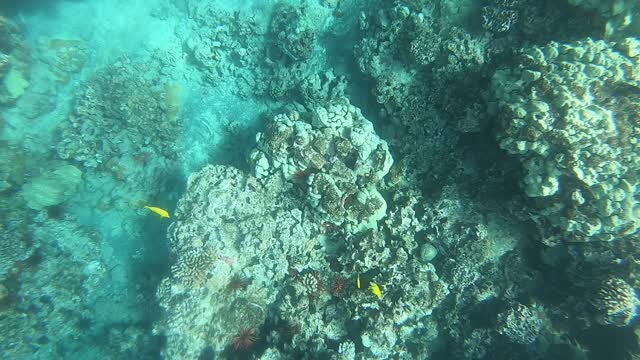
(319, 179)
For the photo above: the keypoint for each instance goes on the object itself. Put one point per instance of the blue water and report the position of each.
(319, 179)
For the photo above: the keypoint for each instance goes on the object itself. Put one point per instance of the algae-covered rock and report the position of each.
(52, 188)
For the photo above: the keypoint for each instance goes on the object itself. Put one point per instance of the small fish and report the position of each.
(358, 281)
(375, 289)
(162, 212)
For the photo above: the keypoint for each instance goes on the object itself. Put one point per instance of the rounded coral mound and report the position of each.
(337, 154)
(568, 113)
(615, 301)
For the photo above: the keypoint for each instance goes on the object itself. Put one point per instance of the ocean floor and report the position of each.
(319, 179)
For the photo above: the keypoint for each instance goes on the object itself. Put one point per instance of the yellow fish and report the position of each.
(162, 212)
(358, 281)
(375, 289)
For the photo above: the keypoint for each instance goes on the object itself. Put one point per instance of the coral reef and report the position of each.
(264, 55)
(422, 68)
(60, 294)
(192, 267)
(567, 114)
(615, 302)
(231, 50)
(294, 277)
(200, 311)
(500, 15)
(16, 245)
(292, 36)
(342, 158)
(366, 180)
(118, 98)
(621, 16)
(520, 324)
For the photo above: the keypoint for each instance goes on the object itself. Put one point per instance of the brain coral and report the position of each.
(569, 112)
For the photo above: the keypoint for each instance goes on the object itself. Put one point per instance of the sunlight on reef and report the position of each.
(319, 179)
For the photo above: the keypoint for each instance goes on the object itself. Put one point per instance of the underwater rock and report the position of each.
(65, 58)
(569, 113)
(52, 188)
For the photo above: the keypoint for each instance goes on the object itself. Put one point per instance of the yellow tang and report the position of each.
(375, 289)
(162, 212)
(358, 281)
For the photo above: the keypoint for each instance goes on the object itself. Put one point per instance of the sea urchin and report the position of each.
(237, 283)
(339, 286)
(244, 340)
